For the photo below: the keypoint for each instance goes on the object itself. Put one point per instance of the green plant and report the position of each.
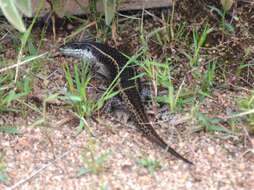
(207, 123)
(12, 90)
(226, 5)
(208, 77)
(246, 105)
(109, 10)
(11, 8)
(160, 74)
(77, 95)
(163, 35)
(9, 130)
(7, 96)
(78, 89)
(12, 87)
(104, 186)
(170, 31)
(199, 42)
(104, 21)
(244, 63)
(92, 164)
(173, 96)
(149, 164)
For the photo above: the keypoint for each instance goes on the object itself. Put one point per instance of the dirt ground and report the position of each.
(111, 153)
(51, 158)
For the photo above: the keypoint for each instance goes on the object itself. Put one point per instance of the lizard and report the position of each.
(115, 64)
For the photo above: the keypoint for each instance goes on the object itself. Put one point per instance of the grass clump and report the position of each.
(150, 164)
(94, 164)
(246, 105)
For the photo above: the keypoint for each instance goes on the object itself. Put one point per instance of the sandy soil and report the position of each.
(51, 158)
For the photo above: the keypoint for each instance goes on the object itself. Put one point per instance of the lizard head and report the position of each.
(88, 52)
(78, 50)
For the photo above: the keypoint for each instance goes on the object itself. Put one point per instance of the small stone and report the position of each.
(188, 185)
(211, 150)
(242, 166)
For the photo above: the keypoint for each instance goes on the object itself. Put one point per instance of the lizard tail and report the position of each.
(154, 137)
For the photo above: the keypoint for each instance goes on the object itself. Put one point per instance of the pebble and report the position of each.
(188, 185)
(211, 150)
